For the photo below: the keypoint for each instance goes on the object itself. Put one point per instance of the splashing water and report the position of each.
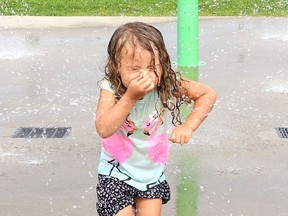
(14, 46)
(277, 88)
(276, 36)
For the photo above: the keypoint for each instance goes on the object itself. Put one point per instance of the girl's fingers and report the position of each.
(178, 138)
(181, 139)
(146, 82)
(172, 137)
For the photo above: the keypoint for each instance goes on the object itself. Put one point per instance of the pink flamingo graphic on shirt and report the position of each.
(119, 145)
(157, 144)
(129, 126)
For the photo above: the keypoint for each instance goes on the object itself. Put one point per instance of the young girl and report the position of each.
(138, 90)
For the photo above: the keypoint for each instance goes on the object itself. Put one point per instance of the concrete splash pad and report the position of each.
(236, 161)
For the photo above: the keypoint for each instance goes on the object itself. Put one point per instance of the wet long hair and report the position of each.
(149, 38)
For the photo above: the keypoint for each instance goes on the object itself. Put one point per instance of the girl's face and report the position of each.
(136, 62)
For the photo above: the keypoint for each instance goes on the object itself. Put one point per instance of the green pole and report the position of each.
(188, 58)
(188, 43)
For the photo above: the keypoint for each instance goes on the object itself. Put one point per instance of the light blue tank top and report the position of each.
(138, 151)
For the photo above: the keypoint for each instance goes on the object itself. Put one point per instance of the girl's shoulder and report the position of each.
(106, 85)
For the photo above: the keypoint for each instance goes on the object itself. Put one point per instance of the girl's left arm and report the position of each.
(204, 98)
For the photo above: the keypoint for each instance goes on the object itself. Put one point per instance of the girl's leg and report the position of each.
(148, 207)
(127, 211)
(114, 197)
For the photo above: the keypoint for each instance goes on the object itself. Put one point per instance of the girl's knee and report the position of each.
(148, 206)
(127, 211)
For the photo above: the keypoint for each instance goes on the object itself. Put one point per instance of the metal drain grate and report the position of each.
(282, 132)
(34, 132)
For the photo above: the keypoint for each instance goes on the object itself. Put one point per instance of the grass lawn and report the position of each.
(141, 8)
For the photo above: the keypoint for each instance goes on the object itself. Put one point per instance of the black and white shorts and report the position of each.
(114, 195)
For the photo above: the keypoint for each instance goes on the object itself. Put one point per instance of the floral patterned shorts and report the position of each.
(114, 195)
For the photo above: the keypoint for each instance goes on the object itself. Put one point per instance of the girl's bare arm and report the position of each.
(111, 115)
(204, 98)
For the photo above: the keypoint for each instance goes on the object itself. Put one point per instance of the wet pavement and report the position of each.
(236, 162)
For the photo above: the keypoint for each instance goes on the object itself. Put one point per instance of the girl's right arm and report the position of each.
(111, 115)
